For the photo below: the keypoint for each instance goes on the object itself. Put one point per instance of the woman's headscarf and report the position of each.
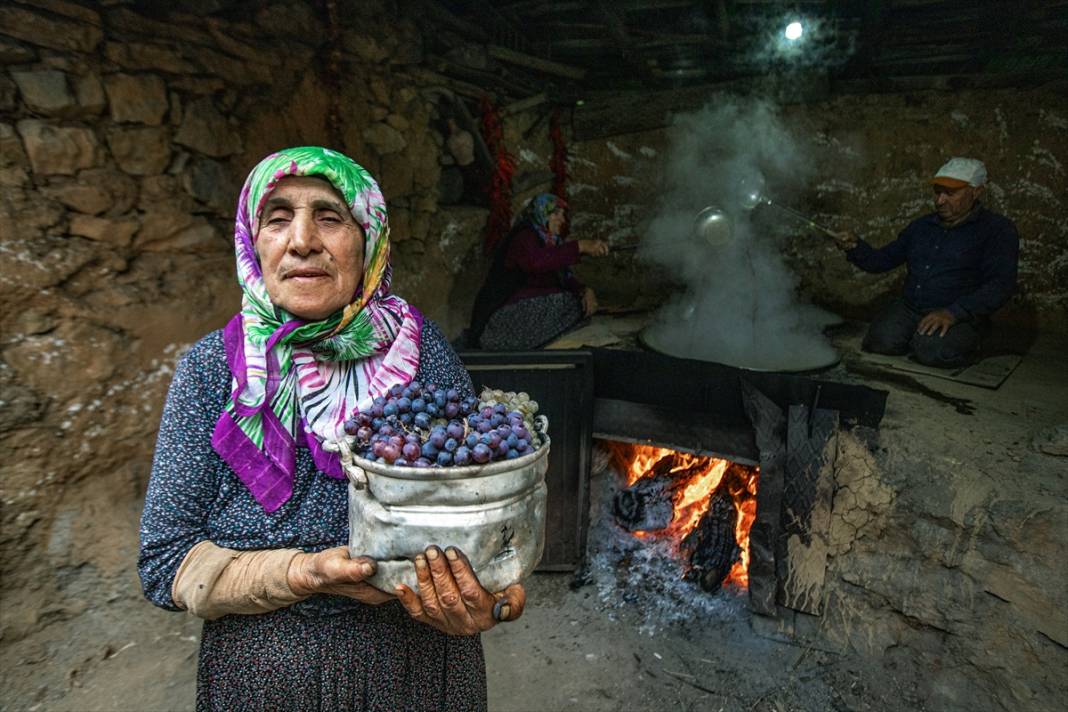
(537, 213)
(294, 378)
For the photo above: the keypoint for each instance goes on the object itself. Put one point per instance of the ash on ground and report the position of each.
(643, 576)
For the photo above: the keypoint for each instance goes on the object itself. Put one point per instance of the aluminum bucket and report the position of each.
(494, 513)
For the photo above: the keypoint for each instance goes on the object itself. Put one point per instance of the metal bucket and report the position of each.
(494, 513)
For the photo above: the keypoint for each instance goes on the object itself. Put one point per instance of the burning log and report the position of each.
(711, 546)
(649, 504)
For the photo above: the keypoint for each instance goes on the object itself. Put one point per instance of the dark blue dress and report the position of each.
(327, 652)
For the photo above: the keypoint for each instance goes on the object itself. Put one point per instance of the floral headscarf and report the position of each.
(537, 213)
(294, 378)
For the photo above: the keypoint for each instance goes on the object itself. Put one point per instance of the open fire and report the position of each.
(703, 506)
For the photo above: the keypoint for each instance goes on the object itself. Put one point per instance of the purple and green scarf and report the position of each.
(294, 378)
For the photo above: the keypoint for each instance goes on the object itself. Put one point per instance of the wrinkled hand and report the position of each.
(334, 571)
(845, 240)
(589, 302)
(451, 599)
(937, 321)
(593, 248)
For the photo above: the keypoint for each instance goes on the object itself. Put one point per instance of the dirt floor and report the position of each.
(593, 647)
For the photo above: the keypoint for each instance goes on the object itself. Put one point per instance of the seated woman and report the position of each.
(246, 515)
(530, 296)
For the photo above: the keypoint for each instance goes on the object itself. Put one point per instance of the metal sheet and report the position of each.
(798, 363)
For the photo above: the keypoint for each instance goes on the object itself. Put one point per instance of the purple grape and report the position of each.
(451, 444)
(406, 418)
(512, 440)
(418, 405)
(412, 438)
(364, 419)
(504, 430)
(396, 390)
(378, 411)
(432, 410)
(415, 387)
(406, 393)
(351, 426)
(486, 412)
(428, 451)
(411, 451)
(421, 462)
(485, 439)
(437, 439)
(494, 441)
(496, 420)
(461, 457)
(471, 440)
(521, 432)
(473, 418)
(404, 404)
(512, 454)
(484, 426)
(452, 395)
(481, 453)
(389, 409)
(502, 449)
(439, 399)
(444, 458)
(386, 429)
(500, 409)
(430, 388)
(400, 462)
(390, 453)
(377, 448)
(377, 423)
(455, 429)
(397, 441)
(452, 409)
(421, 421)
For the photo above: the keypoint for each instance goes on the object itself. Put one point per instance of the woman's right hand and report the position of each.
(334, 571)
(593, 248)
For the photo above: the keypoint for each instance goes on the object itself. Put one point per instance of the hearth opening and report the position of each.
(697, 508)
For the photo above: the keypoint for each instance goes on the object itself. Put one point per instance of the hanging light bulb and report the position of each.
(794, 31)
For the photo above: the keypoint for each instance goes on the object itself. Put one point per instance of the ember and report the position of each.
(703, 505)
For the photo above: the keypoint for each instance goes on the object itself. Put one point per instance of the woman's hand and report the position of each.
(593, 248)
(589, 302)
(333, 571)
(452, 600)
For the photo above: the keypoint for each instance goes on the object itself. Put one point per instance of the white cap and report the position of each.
(959, 172)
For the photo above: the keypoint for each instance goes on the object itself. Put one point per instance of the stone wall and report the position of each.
(126, 131)
(873, 154)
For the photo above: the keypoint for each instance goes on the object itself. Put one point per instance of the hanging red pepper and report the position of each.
(558, 165)
(499, 221)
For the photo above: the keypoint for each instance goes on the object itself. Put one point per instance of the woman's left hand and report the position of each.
(589, 302)
(451, 599)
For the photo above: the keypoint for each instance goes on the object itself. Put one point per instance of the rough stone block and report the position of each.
(12, 52)
(205, 130)
(8, 90)
(197, 235)
(58, 150)
(397, 176)
(89, 93)
(136, 98)
(384, 139)
(140, 151)
(145, 55)
(45, 91)
(50, 31)
(95, 191)
(115, 232)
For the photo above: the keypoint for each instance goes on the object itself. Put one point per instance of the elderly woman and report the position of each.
(530, 296)
(245, 519)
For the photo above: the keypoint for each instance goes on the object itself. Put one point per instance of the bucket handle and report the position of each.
(355, 473)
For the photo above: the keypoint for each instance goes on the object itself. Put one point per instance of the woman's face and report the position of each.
(556, 221)
(310, 248)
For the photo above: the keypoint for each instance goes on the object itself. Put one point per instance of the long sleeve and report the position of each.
(998, 269)
(882, 259)
(527, 253)
(182, 485)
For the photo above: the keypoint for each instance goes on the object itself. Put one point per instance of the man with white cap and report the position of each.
(961, 267)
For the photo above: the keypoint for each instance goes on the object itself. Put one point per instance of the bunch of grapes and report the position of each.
(426, 426)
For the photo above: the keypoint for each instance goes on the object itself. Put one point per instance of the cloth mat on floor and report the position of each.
(989, 372)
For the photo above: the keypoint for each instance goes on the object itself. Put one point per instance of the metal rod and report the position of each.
(802, 216)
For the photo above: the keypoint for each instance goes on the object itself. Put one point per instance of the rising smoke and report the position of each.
(739, 306)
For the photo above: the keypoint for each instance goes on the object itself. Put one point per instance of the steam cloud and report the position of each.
(739, 306)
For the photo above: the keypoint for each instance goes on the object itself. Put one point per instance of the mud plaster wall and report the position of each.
(873, 154)
(124, 141)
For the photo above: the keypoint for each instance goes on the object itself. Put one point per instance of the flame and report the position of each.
(693, 499)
